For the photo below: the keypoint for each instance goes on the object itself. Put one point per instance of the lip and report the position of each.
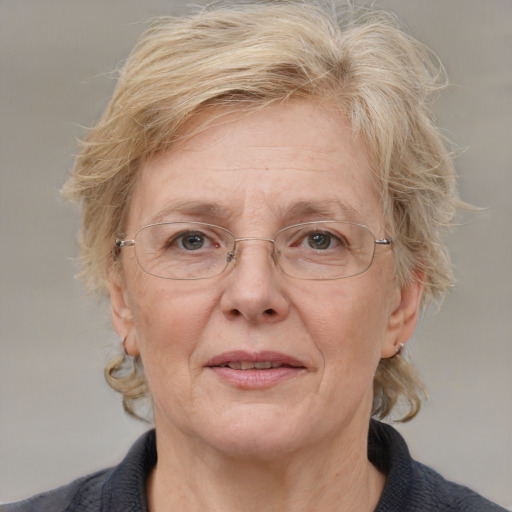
(255, 357)
(254, 378)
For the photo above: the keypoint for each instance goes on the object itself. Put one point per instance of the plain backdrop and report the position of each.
(58, 419)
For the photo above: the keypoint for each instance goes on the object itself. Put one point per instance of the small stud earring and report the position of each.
(399, 349)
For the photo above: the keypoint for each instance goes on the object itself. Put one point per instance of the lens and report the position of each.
(183, 250)
(325, 250)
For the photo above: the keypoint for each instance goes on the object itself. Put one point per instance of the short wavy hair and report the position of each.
(245, 56)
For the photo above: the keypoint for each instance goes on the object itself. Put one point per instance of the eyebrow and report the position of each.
(333, 209)
(196, 209)
(328, 209)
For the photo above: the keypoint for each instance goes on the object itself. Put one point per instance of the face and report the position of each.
(253, 175)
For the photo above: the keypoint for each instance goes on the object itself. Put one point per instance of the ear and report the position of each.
(122, 315)
(404, 316)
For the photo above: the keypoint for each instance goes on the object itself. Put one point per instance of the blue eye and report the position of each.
(319, 240)
(191, 241)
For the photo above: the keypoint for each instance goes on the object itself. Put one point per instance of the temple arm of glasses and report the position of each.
(384, 241)
(124, 243)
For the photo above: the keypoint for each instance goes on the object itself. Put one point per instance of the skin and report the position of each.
(302, 440)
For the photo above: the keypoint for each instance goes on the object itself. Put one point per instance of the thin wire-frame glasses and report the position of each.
(320, 250)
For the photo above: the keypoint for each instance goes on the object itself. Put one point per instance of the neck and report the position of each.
(333, 477)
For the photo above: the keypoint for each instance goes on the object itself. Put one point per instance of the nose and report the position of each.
(254, 290)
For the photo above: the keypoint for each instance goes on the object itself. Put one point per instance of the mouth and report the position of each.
(249, 365)
(241, 360)
(255, 370)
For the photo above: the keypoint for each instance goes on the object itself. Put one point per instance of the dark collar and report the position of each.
(124, 489)
(388, 451)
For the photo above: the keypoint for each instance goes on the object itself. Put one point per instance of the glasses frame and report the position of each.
(120, 243)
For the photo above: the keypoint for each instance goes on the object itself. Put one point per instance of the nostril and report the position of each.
(269, 312)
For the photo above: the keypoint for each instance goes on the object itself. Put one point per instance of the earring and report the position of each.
(399, 349)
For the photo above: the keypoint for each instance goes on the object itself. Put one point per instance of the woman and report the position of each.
(264, 201)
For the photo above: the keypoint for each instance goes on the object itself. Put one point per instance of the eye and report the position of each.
(320, 241)
(324, 240)
(192, 241)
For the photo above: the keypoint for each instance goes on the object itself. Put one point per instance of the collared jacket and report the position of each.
(410, 486)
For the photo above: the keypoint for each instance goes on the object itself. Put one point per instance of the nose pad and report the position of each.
(232, 255)
(275, 255)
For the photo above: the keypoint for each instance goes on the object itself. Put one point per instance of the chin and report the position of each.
(260, 433)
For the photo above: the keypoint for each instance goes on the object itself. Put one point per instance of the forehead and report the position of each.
(289, 162)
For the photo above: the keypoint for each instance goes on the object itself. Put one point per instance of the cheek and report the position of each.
(168, 323)
(347, 324)
(168, 327)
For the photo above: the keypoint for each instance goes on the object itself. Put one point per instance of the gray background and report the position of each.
(58, 419)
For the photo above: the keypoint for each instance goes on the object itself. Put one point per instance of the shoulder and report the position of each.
(81, 495)
(428, 486)
(414, 487)
(118, 489)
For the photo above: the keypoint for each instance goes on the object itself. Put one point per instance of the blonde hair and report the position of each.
(246, 56)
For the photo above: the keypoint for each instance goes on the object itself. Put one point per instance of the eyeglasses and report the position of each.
(320, 250)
